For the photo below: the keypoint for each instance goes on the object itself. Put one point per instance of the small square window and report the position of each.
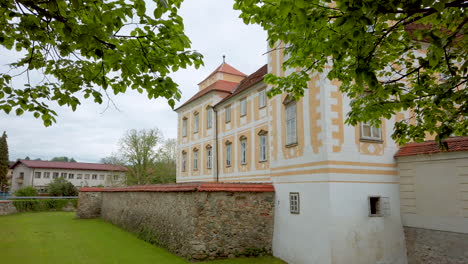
(37, 175)
(379, 206)
(71, 176)
(294, 203)
(94, 177)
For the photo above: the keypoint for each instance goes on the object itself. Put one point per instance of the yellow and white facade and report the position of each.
(324, 171)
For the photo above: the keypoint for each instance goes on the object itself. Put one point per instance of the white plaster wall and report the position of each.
(434, 191)
(358, 238)
(16, 174)
(303, 238)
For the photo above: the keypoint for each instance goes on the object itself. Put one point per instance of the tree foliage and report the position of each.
(4, 162)
(390, 56)
(147, 155)
(26, 191)
(139, 150)
(64, 159)
(90, 48)
(61, 187)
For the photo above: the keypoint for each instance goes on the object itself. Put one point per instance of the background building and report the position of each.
(40, 173)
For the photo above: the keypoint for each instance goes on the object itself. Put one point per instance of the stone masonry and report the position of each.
(196, 221)
(426, 246)
(7, 207)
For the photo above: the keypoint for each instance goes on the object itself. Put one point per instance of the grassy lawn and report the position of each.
(57, 237)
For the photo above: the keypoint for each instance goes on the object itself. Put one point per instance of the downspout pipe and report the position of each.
(216, 143)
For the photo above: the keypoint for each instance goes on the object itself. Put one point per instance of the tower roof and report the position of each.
(225, 68)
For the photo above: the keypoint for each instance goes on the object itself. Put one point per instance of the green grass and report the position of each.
(57, 237)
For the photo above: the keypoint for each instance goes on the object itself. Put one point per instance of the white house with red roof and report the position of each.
(40, 173)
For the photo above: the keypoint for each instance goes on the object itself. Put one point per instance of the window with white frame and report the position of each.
(21, 175)
(71, 176)
(184, 127)
(196, 123)
(263, 145)
(291, 123)
(55, 175)
(79, 176)
(63, 175)
(228, 154)
(227, 113)
(294, 206)
(209, 157)
(243, 150)
(209, 117)
(37, 174)
(370, 132)
(195, 159)
(184, 161)
(262, 98)
(243, 106)
(94, 176)
(86, 176)
(116, 177)
(101, 177)
(46, 175)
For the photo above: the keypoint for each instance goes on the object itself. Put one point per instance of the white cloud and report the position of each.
(91, 133)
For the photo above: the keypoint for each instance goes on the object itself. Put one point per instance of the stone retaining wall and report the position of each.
(7, 207)
(195, 221)
(426, 246)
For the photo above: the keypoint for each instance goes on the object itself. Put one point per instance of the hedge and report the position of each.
(43, 204)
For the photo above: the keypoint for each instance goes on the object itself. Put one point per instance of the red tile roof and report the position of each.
(249, 81)
(430, 147)
(225, 68)
(220, 86)
(189, 187)
(39, 164)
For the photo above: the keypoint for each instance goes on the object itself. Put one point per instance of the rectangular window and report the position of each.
(209, 158)
(79, 176)
(370, 132)
(37, 174)
(184, 127)
(263, 148)
(243, 152)
(262, 98)
(116, 177)
(291, 124)
(243, 106)
(55, 175)
(101, 177)
(63, 175)
(294, 206)
(227, 113)
(374, 206)
(86, 176)
(228, 155)
(46, 175)
(209, 118)
(195, 120)
(195, 160)
(71, 176)
(21, 175)
(94, 177)
(184, 161)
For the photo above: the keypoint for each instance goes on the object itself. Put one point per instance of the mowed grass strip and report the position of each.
(57, 237)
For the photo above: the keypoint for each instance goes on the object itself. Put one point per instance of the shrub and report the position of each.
(62, 187)
(26, 191)
(43, 204)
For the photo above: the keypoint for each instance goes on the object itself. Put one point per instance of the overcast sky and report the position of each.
(91, 132)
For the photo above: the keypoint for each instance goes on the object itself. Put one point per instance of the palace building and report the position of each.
(337, 186)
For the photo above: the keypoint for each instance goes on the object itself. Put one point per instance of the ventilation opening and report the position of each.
(375, 206)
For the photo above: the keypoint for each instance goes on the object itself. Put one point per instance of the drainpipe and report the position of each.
(216, 142)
